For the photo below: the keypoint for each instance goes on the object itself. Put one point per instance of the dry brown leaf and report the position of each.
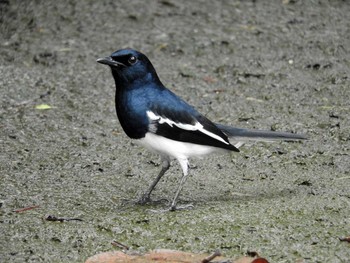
(162, 256)
(347, 239)
(159, 256)
(251, 260)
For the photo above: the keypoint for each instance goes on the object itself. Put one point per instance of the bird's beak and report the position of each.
(110, 62)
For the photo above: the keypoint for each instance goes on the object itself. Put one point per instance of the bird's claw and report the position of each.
(181, 207)
(146, 199)
(172, 208)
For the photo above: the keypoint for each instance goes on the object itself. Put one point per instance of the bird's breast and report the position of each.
(131, 112)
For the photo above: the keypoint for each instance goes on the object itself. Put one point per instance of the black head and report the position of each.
(128, 65)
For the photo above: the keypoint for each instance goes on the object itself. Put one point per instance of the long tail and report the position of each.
(258, 135)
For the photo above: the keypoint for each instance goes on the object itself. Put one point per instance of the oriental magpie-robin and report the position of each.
(164, 123)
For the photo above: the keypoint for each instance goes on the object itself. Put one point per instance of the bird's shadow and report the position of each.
(208, 200)
(243, 197)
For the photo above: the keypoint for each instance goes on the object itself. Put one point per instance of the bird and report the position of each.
(167, 125)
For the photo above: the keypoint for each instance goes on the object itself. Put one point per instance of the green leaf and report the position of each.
(43, 107)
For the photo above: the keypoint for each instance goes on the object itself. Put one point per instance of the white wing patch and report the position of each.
(189, 127)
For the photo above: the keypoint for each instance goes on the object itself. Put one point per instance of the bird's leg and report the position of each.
(184, 166)
(173, 203)
(146, 197)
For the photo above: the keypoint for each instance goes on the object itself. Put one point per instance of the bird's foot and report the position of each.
(172, 208)
(146, 199)
(181, 207)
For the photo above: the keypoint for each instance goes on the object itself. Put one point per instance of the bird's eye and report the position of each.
(132, 60)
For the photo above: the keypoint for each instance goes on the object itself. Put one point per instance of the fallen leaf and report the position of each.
(43, 107)
(158, 255)
(209, 79)
(345, 239)
(260, 260)
(167, 256)
(254, 99)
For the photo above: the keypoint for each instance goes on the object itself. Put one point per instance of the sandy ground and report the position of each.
(280, 65)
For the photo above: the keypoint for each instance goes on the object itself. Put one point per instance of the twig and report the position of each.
(120, 245)
(61, 219)
(25, 209)
(342, 178)
(217, 253)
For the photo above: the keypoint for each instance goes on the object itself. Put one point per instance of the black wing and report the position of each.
(186, 126)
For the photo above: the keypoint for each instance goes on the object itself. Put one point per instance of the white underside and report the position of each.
(181, 151)
(175, 149)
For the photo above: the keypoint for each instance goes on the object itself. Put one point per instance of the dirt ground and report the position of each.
(281, 65)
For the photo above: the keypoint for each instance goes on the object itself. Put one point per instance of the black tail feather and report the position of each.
(250, 134)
